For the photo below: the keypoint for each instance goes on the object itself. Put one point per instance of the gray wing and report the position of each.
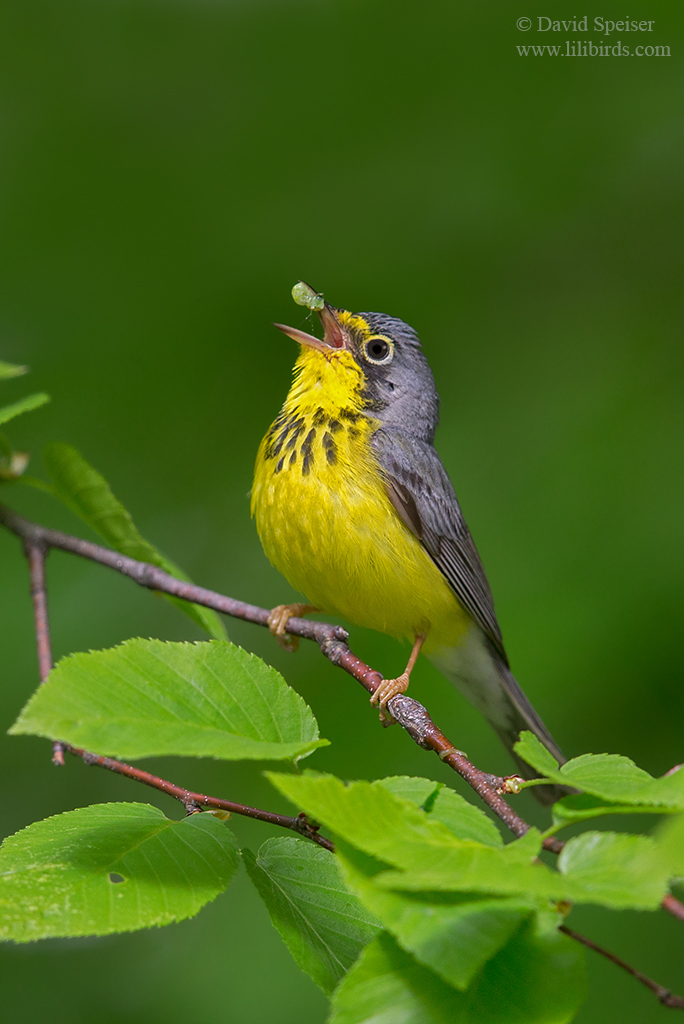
(423, 495)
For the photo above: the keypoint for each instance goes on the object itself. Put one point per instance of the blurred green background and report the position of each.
(169, 170)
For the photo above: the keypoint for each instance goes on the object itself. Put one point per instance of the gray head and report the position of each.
(399, 387)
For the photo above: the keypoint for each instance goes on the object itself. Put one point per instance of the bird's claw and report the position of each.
(277, 620)
(387, 689)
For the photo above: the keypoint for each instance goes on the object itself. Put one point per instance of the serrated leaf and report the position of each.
(423, 856)
(148, 698)
(445, 805)
(454, 934)
(610, 776)
(584, 806)
(86, 492)
(8, 370)
(615, 869)
(418, 791)
(27, 404)
(110, 868)
(427, 853)
(534, 753)
(464, 819)
(537, 978)
(323, 924)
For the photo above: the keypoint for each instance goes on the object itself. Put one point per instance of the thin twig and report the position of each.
(36, 553)
(196, 801)
(411, 715)
(673, 905)
(663, 994)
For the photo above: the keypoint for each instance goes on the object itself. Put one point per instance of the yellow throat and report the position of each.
(323, 514)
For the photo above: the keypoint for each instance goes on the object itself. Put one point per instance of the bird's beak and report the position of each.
(334, 337)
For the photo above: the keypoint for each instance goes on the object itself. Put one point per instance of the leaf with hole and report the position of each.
(148, 698)
(110, 868)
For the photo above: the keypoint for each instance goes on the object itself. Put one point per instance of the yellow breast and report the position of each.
(326, 522)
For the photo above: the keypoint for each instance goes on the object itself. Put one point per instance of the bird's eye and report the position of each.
(379, 350)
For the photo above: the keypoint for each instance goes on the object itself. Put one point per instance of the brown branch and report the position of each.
(196, 801)
(36, 553)
(673, 905)
(663, 994)
(332, 640)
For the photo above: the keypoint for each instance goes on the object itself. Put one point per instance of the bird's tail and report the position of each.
(478, 671)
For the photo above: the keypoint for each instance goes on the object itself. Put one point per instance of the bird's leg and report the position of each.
(277, 620)
(389, 688)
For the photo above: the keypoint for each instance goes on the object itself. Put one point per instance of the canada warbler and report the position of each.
(354, 507)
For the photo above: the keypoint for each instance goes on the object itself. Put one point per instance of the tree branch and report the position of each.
(196, 801)
(663, 994)
(332, 640)
(36, 552)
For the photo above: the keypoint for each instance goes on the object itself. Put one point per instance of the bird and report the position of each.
(353, 506)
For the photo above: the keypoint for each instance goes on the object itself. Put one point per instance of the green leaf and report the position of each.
(387, 986)
(583, 806)
(453, 934)
(8, 370)
(323, 924)
(445, 805)
(609, 776)
(147, 698)
(534, 753)
(536, 978)
(429, 855)
(110, 868)
(86, 492)
(23, 405)
(419, 791)
(615, 869)
(670, 840)
(464, 819)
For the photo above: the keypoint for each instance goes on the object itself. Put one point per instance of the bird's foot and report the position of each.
(277, 620)
(387, 689)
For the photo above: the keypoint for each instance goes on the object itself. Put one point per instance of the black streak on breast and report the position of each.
(330, 448)
(307, 451)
